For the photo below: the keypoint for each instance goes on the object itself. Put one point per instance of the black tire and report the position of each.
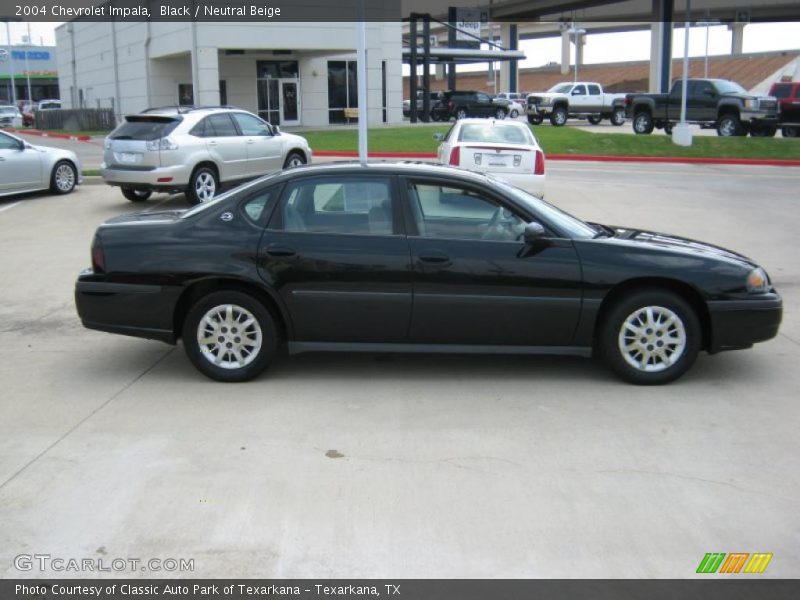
(668, 128)
(200, 175)
(631, 310)
(763, 130)
(435, 116)
(595, 120)
(618, 117)
(514, 113)
(460, 113)
(295, 159)
(63, 178)
(559, 116)
(536, 119)
(790, 131)
(135, 195)
(729, 125)
(500, 114)
(241, 303)
(643, 123)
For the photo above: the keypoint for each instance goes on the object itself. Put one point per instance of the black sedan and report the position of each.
(415, 258)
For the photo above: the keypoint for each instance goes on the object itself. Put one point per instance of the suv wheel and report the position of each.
(594, 119)
(618, 117)
(643, 123)
(763, 130)
(559, 116)
(63, 178)
(203, 185)
(135, 195)
(295, 159)
(535, 119)
(461, 113)
(500, 114)
(651, 337)
(790, 131)
(729, 125)
(230, 336)
(514, 113)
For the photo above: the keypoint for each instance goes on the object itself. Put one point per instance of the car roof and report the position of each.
(385, 167)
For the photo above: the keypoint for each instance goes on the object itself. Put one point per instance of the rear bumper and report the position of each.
(144, 311)
(174, 177)
(533, 184)
(739, 324)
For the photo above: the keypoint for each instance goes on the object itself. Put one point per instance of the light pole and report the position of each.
(11, 65)
(27, 47)
(681, 133)
(576, 32)
(707, 24)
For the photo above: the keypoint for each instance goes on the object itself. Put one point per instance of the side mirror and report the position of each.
(576, 92)
(439, 137)
(276, 130)
(534, 233)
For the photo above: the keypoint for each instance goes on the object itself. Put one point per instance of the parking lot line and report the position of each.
(10, 206)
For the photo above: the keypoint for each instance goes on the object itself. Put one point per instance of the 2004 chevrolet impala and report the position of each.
(415, 258)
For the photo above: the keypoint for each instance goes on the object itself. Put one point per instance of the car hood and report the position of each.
(674, 243)
(545, 95)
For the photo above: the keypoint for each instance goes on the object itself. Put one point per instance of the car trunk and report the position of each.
(498, 158)
(127, 146)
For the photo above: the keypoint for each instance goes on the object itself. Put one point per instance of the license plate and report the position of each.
(127, 157)
(497, 160)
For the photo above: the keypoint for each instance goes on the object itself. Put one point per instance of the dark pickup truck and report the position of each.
(711, 103)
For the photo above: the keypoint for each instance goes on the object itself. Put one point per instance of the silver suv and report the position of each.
(195, 150)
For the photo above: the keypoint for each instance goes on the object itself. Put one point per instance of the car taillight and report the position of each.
(98, 258)
(164, 143)
(538, 169)
(455, 156)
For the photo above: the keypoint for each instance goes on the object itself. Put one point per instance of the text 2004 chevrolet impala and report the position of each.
(415, 258)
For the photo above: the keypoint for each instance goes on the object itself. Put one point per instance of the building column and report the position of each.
(565, 41)
(509, 76)
(737, 38)
(661, 46)
(205, 76)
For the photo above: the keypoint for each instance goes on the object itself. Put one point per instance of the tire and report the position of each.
(435, 116)
(295, 159)
(64, 177)
(203, 185)
(618, 117)
(535, 119)
(729, 125)
(638, 363)
(643, 123)
(257, 344)
(514, 113)
(558, 118)
(790, 131)
(135, 195)
(460, 113)
(500, 114)
(668, 128)
(595, 120)
(763, 131)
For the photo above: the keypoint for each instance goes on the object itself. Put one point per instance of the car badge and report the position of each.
(226, 216)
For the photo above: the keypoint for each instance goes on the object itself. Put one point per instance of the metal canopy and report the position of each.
(439, 54)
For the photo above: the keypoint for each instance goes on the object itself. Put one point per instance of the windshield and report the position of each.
(8, 110)
(561, 88)
(564, 222)
(498, 134)
(222, 197)
(729, 87)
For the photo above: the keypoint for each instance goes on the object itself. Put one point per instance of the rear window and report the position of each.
(145, 128)
(499, 134)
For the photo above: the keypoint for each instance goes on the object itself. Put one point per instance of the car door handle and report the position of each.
(276, 250)
(434, 257)
(212, 143)
(251, 141)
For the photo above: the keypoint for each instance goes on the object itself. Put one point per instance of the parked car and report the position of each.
(515, 109)
(711, 103)
(469, 103)
(10, 116)
(410, 257)
(28, 168)
(507, 149)
(520, 97)
(788, 95)
(195, 150)
(581, 100)
(433, 98)
(49, 104)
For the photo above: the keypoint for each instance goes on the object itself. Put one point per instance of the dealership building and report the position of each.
(23, 65)
(288, 73)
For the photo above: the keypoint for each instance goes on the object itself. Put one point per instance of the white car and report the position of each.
(28, 168)
(10, 116)
(506, 149)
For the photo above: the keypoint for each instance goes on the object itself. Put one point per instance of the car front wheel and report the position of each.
(514, 113)
(295, 159)
(63, 178)
(230, 336)
(651, 337)
(558, 117)
(618, 117)
(203, 185)
(728, 126)
(135, 195)
(500, 114)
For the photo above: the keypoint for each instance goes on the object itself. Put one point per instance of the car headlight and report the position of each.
(757, 281)
(751, 103)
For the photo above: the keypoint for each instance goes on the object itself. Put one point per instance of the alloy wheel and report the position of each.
(229, 336)
(205, 187)
(652, 339)
(65, 178)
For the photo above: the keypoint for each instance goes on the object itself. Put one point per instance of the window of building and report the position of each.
(277, 69)
(342, 89)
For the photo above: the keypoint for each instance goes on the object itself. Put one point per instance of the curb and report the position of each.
(47, 134)
(763, 162)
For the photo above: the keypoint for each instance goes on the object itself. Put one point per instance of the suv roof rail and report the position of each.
(186, 108)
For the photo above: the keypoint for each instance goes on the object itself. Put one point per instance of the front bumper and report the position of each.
(740, 323)
(539, 109)
(760, 117)
(155, 178)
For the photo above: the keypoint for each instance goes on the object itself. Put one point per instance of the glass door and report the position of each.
(269, 101)
(290, 102)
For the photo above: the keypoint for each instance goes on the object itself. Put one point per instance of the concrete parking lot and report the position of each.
(401, 466)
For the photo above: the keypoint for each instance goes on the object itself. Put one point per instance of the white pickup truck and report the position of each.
(580, 100)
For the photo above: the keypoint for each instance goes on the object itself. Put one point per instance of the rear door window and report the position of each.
(145, 128)
(223, 125)
(594, 90)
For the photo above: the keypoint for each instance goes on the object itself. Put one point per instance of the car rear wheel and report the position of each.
(295, 159)
(63, 178)
(594, 120)
(135, 195)
(729, 125)
(559, 117)
(230, 336)
(763, 130)
(790, 132)
(650, 337)
(643, 123)
(461, 114)
(618, 117)
(514, 113)
(203, 185)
